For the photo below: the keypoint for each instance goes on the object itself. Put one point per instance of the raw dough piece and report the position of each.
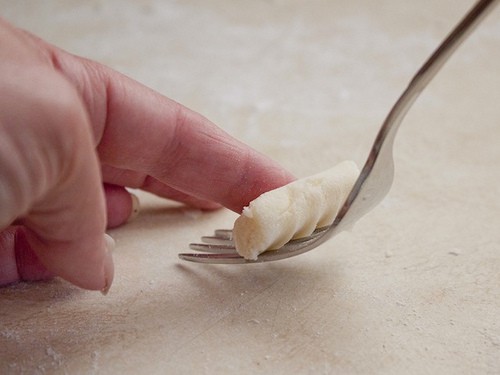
(293, 211)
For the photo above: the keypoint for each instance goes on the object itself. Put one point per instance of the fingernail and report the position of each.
(136, 207)
(109, 269)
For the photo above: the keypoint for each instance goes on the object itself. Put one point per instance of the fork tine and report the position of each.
(290, 249)
(213, 248)
(218, 245)
(216, 240)
(226, 234)
(214, 258)
(226, 254)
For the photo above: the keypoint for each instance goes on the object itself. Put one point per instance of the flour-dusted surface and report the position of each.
(414, 288)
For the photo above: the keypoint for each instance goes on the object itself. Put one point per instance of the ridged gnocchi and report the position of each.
(293, 211)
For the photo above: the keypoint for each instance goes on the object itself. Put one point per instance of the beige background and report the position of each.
(414, 288)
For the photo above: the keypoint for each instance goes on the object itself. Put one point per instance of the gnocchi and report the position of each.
(293, 211)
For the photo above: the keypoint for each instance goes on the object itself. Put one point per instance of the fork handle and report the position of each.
(451, 43)
(429, 69)
(381, 152)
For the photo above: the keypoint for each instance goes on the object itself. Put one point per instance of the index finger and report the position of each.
(141, 130)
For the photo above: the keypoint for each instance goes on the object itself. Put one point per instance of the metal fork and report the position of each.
(377, 175)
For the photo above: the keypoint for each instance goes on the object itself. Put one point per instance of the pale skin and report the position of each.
(73, 135)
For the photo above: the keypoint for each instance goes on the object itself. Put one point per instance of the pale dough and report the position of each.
(293, 211)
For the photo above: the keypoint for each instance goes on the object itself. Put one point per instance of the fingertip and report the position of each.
(121, 205)
(86, 262)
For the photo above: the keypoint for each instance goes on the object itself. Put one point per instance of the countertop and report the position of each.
(413, 288)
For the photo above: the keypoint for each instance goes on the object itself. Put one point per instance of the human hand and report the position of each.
(69, 125)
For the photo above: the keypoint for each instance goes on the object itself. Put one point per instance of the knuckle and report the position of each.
(42, 129)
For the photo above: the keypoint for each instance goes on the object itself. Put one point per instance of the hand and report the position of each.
(68, 126)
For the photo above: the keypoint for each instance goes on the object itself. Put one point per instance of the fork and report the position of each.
(377, 175)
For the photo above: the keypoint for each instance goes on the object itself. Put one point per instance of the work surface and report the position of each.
(413, 288)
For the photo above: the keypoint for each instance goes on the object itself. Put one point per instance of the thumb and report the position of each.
(50, 179)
